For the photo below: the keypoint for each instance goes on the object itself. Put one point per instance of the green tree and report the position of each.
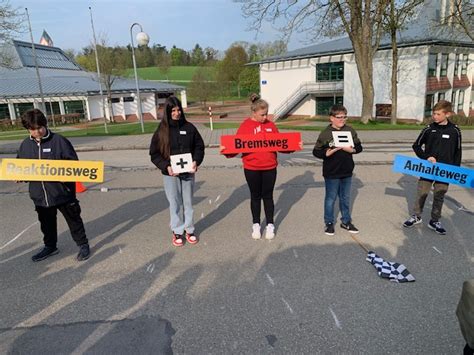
(231, 66)
(211, 55)
(197, 55)
(250, 79)
(202, 86)
(179, 56)
(11, 22)
(164, 63)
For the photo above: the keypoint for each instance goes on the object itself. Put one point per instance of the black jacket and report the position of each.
(443, 142)
(340, 164)
(184, 138)
(54, 147)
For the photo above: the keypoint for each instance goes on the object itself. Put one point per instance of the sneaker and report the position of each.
(437, 227)
(191, 238)
(84, 252)
(349, 227)
(329, 229)
(270, 231)
(46, 252)
(410, 222)
(256, 231)
(177, 240)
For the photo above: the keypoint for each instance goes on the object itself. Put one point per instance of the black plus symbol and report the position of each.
(182, 163)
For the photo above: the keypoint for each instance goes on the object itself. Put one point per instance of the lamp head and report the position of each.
(142, 39)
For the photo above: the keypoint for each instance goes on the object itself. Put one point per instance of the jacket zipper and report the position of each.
(42, 182)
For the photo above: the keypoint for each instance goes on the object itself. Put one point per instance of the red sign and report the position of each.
(267, 142)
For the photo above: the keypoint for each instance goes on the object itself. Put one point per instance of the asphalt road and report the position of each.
(303, 292)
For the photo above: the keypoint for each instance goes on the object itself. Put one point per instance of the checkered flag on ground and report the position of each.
(393, 271)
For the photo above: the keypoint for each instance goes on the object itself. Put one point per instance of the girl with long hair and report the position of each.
(175, 135)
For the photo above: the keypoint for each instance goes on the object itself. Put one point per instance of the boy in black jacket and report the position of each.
(438, 142)
(337, 169)
(49, 197)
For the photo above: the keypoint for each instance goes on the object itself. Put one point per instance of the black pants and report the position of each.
(48, 221)
(261, 184)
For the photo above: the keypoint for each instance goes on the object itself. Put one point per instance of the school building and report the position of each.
(435, 63)
(69, 90)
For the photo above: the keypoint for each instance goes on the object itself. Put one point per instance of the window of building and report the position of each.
(432, 64)
(115, 100)
(461, 100)
(4, 112)
(323, 104)
(128, 99)
(56, 109)
(453, 98)
(22, 108)
(457, 64)
(330, 71)
(464, 64)
(74, 106)
(444, 65)
(429, 104)
(441, 96)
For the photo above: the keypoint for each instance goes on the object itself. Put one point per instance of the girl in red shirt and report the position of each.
(259, 168)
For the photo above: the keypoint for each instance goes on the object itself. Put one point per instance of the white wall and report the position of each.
(282, 79)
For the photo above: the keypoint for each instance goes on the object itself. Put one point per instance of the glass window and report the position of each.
(128, 99)
(323, 104)
(460, 100)
(444, 65)
(74, 107)
(441, 96)
(429, 104)
(432, 64)
(22, 108)
(464, 64)
(4, 112)
(453, 98)
(56, 109)
(457, 65)
(330, 71)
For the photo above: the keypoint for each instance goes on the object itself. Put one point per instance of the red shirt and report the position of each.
(258, 160)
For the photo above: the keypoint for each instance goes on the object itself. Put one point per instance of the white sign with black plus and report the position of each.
(182, 163)
(342, 139)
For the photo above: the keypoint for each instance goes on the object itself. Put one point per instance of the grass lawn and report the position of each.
(115, 129)
(175, 74)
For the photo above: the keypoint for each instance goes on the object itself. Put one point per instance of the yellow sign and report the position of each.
(51, 170)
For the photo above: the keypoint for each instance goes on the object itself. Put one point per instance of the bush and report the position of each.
(462, 120)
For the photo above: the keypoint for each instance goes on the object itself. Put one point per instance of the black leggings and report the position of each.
(261, 184)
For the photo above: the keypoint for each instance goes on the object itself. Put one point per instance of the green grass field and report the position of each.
(176, 74)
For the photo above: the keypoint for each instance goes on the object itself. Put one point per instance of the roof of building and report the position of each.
(60, 75)
(415, 34)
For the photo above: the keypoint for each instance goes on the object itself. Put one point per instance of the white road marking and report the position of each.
(18, 235)
(270, 280)
(150, 268)
(438, 251)
(210, 202)
(338, 324)
(287, 305)
(217, 198)
(120, 249)
(202, 215)
(295, 253)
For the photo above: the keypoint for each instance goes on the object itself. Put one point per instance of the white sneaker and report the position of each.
(270, 231)
(256, 231)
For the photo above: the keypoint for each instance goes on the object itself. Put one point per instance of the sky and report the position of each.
(211, 23)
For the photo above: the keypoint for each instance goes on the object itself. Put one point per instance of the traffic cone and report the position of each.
(80, 187)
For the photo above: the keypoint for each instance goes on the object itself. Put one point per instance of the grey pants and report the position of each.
(423, 189)
(179, 191)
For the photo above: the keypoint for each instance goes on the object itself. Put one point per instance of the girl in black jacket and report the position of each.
(174, 136)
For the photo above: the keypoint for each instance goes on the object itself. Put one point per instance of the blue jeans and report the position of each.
(179, 191)
(335, 188)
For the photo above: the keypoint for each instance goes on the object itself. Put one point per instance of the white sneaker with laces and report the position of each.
(256, 231)
(270, 231)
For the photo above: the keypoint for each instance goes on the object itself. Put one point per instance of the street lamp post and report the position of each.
(142, 39)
